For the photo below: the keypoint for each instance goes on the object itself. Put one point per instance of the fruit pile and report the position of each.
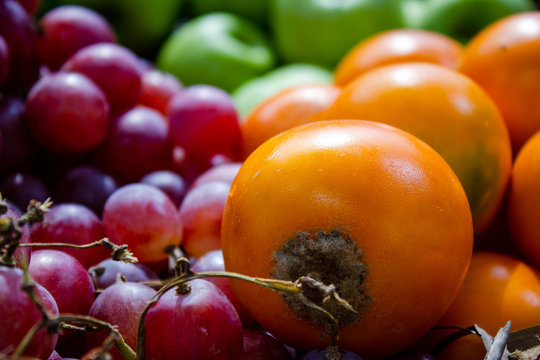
(269, 179)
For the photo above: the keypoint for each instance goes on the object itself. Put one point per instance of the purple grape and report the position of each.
(18, 31)
(65, 278)
(67, 29)
(319, 355)
(67, 112)
(170, 182)
(108, 270)
(20, 188)
(258, 345)
(18, 146)
(73, 224)
(114, 68)
(86, 185)
(137, 143)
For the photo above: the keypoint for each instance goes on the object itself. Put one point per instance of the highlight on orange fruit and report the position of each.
(448, 111)
(503, 59)
(523, 205)
(498, 288)
(289, 108)
(396, 46)
(361, 205)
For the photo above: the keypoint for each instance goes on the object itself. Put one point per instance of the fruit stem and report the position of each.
(281, 286)
(119, 252)
(54, 323)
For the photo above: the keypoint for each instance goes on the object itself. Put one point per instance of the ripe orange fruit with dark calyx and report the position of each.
(503, 59)
(361, 205)
(398, 46)
(448, 111)
(288, 108)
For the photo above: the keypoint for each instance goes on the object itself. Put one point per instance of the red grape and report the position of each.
(19, 314)
(18, 146)
(67, 112)
(158, 87)
(18, 31)
(222, 172)
(86, 185)
(144, 218)
(65, 278)
(107, 271)
(114, 68)
(73, 224)
(122, 304)
(260, 346)
(169, 182)
(199, 325)
(201, 213)
(204, 122)
(213, 261)
(137, 143)
(67, 29)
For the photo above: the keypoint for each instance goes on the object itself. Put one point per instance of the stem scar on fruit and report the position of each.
(331, 258)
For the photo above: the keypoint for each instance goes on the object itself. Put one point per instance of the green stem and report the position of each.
(281, 286)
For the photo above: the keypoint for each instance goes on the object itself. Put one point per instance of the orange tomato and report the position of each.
(504, 59)
(288, 108)
(397, 46)
(361, 205)
(448, 111)
(523, 205)
(498, 288)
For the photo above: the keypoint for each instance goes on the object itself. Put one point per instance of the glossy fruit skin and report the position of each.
(15, 324)
(199, 325)
(396, 46)
(288, 108)
(448, 111)
(523, 207)
(345, 175)
(510, 49)
(144, 218)
(497, 288)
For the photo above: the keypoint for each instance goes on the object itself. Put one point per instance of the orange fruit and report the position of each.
(448, 111)
(361, 205)
(397, 46)
(503, 59)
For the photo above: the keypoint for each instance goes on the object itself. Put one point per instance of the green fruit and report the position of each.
(462, 19)
(323, 31)
(256, 10)
(219, 49)
(253, 92)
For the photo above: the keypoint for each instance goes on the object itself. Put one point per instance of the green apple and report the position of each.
(219, 49)
(253, 92)
(323, 31)
(256, 10)
(462, 19)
